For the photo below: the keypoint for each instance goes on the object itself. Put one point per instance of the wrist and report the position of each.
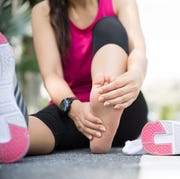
(65, 105)
(137, 63)
(74, 110)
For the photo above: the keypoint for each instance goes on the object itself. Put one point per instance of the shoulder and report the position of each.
(115, 5)
(41, 9)
(122, 4)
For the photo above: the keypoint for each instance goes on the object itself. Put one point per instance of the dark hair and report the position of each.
(60, 23)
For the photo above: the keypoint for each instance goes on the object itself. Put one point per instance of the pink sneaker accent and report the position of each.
(148, 134)
(2, 39)
(17, 147)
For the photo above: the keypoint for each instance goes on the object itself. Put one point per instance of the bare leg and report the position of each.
(109, 60)
(41, 138)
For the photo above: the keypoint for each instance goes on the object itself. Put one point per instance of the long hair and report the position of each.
(60, 24)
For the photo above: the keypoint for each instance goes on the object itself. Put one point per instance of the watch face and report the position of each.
(66, 104)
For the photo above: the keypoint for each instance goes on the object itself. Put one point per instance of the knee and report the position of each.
(109, 30)
(97, 149)
(42, 140)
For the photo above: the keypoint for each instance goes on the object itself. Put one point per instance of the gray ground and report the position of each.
(76, 164)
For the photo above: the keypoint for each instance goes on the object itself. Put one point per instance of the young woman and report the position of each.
(92, 58)
(91, 55)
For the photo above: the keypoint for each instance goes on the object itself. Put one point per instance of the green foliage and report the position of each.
(28, 62)
(14, 22)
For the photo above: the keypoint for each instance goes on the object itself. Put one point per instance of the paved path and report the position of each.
(81, 164)
(76, 164)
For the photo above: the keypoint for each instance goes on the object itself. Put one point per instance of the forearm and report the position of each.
(129, 16)
(137, 63)
(57, 88)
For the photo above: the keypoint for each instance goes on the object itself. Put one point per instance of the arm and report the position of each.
(127, 86)
(49, 60)
(127, 12)
(48, 56)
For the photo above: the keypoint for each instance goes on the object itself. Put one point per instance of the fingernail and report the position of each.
(98, 134)
(116, 107)
(106, 103)
(90, 137)
(99, 122)
(101, 99)
(103, 129)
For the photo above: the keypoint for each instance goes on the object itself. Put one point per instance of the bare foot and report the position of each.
(108, 115)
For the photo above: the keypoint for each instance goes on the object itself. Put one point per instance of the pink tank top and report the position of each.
(77, 69)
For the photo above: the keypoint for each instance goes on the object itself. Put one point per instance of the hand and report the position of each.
(122, 91)
(85, 121)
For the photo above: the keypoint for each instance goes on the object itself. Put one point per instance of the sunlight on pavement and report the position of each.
(159, 167)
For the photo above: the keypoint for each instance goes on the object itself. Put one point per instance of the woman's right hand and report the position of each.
(88, 124)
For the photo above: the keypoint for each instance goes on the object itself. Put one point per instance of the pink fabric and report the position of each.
(17, 147)
(77, 69)
(2, 39)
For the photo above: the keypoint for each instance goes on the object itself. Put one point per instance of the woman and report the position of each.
(115, 67)
(91, 56)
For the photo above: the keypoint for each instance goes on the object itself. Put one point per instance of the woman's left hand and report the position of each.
(122, 91)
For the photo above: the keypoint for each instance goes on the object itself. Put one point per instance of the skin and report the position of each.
(113, 89)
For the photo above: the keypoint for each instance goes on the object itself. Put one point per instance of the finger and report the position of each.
(114, 94)
(92, 132)
(96, 127)
(80, 128)
(93, 119)
(123, 105)
(107, 79)
(112, 86)
(119, 100)
(88, 136)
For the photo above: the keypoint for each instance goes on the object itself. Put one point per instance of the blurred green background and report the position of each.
(163, 99)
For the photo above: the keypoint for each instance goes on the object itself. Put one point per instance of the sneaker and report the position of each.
(161, 137)
(14, 138)
(133, 147)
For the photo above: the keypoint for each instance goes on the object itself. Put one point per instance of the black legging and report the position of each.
(109, 30)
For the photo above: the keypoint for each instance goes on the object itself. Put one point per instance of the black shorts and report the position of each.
(68, 137)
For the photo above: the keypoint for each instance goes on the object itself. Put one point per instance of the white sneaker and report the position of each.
(14, 138)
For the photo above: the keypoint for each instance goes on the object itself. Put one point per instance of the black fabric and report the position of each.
(68, 137)
(107, 30)
(64, 130)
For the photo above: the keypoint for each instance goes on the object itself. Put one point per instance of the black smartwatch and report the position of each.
(65, 104)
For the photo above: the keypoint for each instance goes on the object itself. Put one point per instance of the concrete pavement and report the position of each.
(75, 164)
(81, 164)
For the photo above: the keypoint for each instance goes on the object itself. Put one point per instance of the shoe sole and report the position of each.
(14, 138)
(161, 138)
